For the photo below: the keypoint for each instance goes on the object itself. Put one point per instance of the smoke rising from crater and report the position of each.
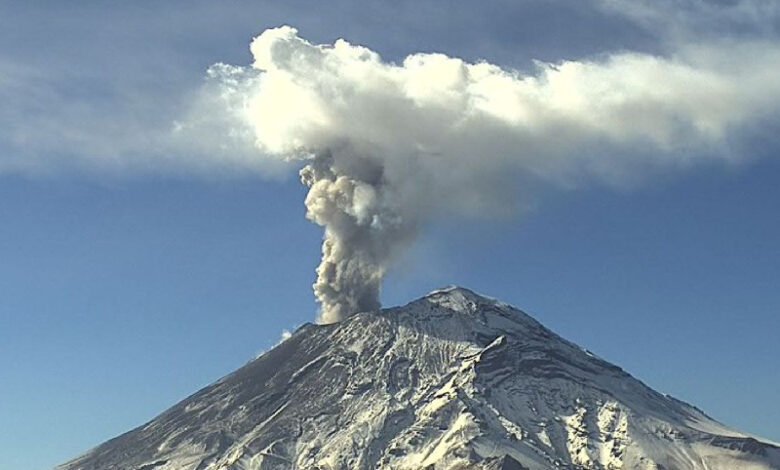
(385, 147)
(365, 226)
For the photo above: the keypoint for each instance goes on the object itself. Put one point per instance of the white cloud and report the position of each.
(388, 146)
(567, 119)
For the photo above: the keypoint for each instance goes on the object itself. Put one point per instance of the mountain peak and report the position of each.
(460, 299)
(453, 289)
(460, 293)
(474, 314)
(452, 380)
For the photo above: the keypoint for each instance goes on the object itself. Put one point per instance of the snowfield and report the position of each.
(451, 381)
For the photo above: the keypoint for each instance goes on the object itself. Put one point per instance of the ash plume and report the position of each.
(385, 147)
(364, 227)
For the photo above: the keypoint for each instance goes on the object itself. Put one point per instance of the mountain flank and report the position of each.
(453, 380)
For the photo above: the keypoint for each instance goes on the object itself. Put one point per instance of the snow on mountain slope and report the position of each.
(451, 381)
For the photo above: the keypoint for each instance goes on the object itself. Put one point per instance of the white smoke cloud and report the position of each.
(388, 146)
(385, 147)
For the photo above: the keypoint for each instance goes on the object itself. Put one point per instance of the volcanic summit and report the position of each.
(453, 380)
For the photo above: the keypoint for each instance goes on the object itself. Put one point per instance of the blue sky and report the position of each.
(122, 292)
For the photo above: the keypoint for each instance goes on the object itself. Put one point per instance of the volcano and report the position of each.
(453, 380)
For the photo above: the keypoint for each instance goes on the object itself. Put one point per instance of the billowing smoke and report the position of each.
(365, 225)
(385, 147)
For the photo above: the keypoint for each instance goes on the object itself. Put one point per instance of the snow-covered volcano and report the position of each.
(451, 381)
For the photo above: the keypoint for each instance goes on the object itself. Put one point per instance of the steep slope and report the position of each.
(453, 380)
